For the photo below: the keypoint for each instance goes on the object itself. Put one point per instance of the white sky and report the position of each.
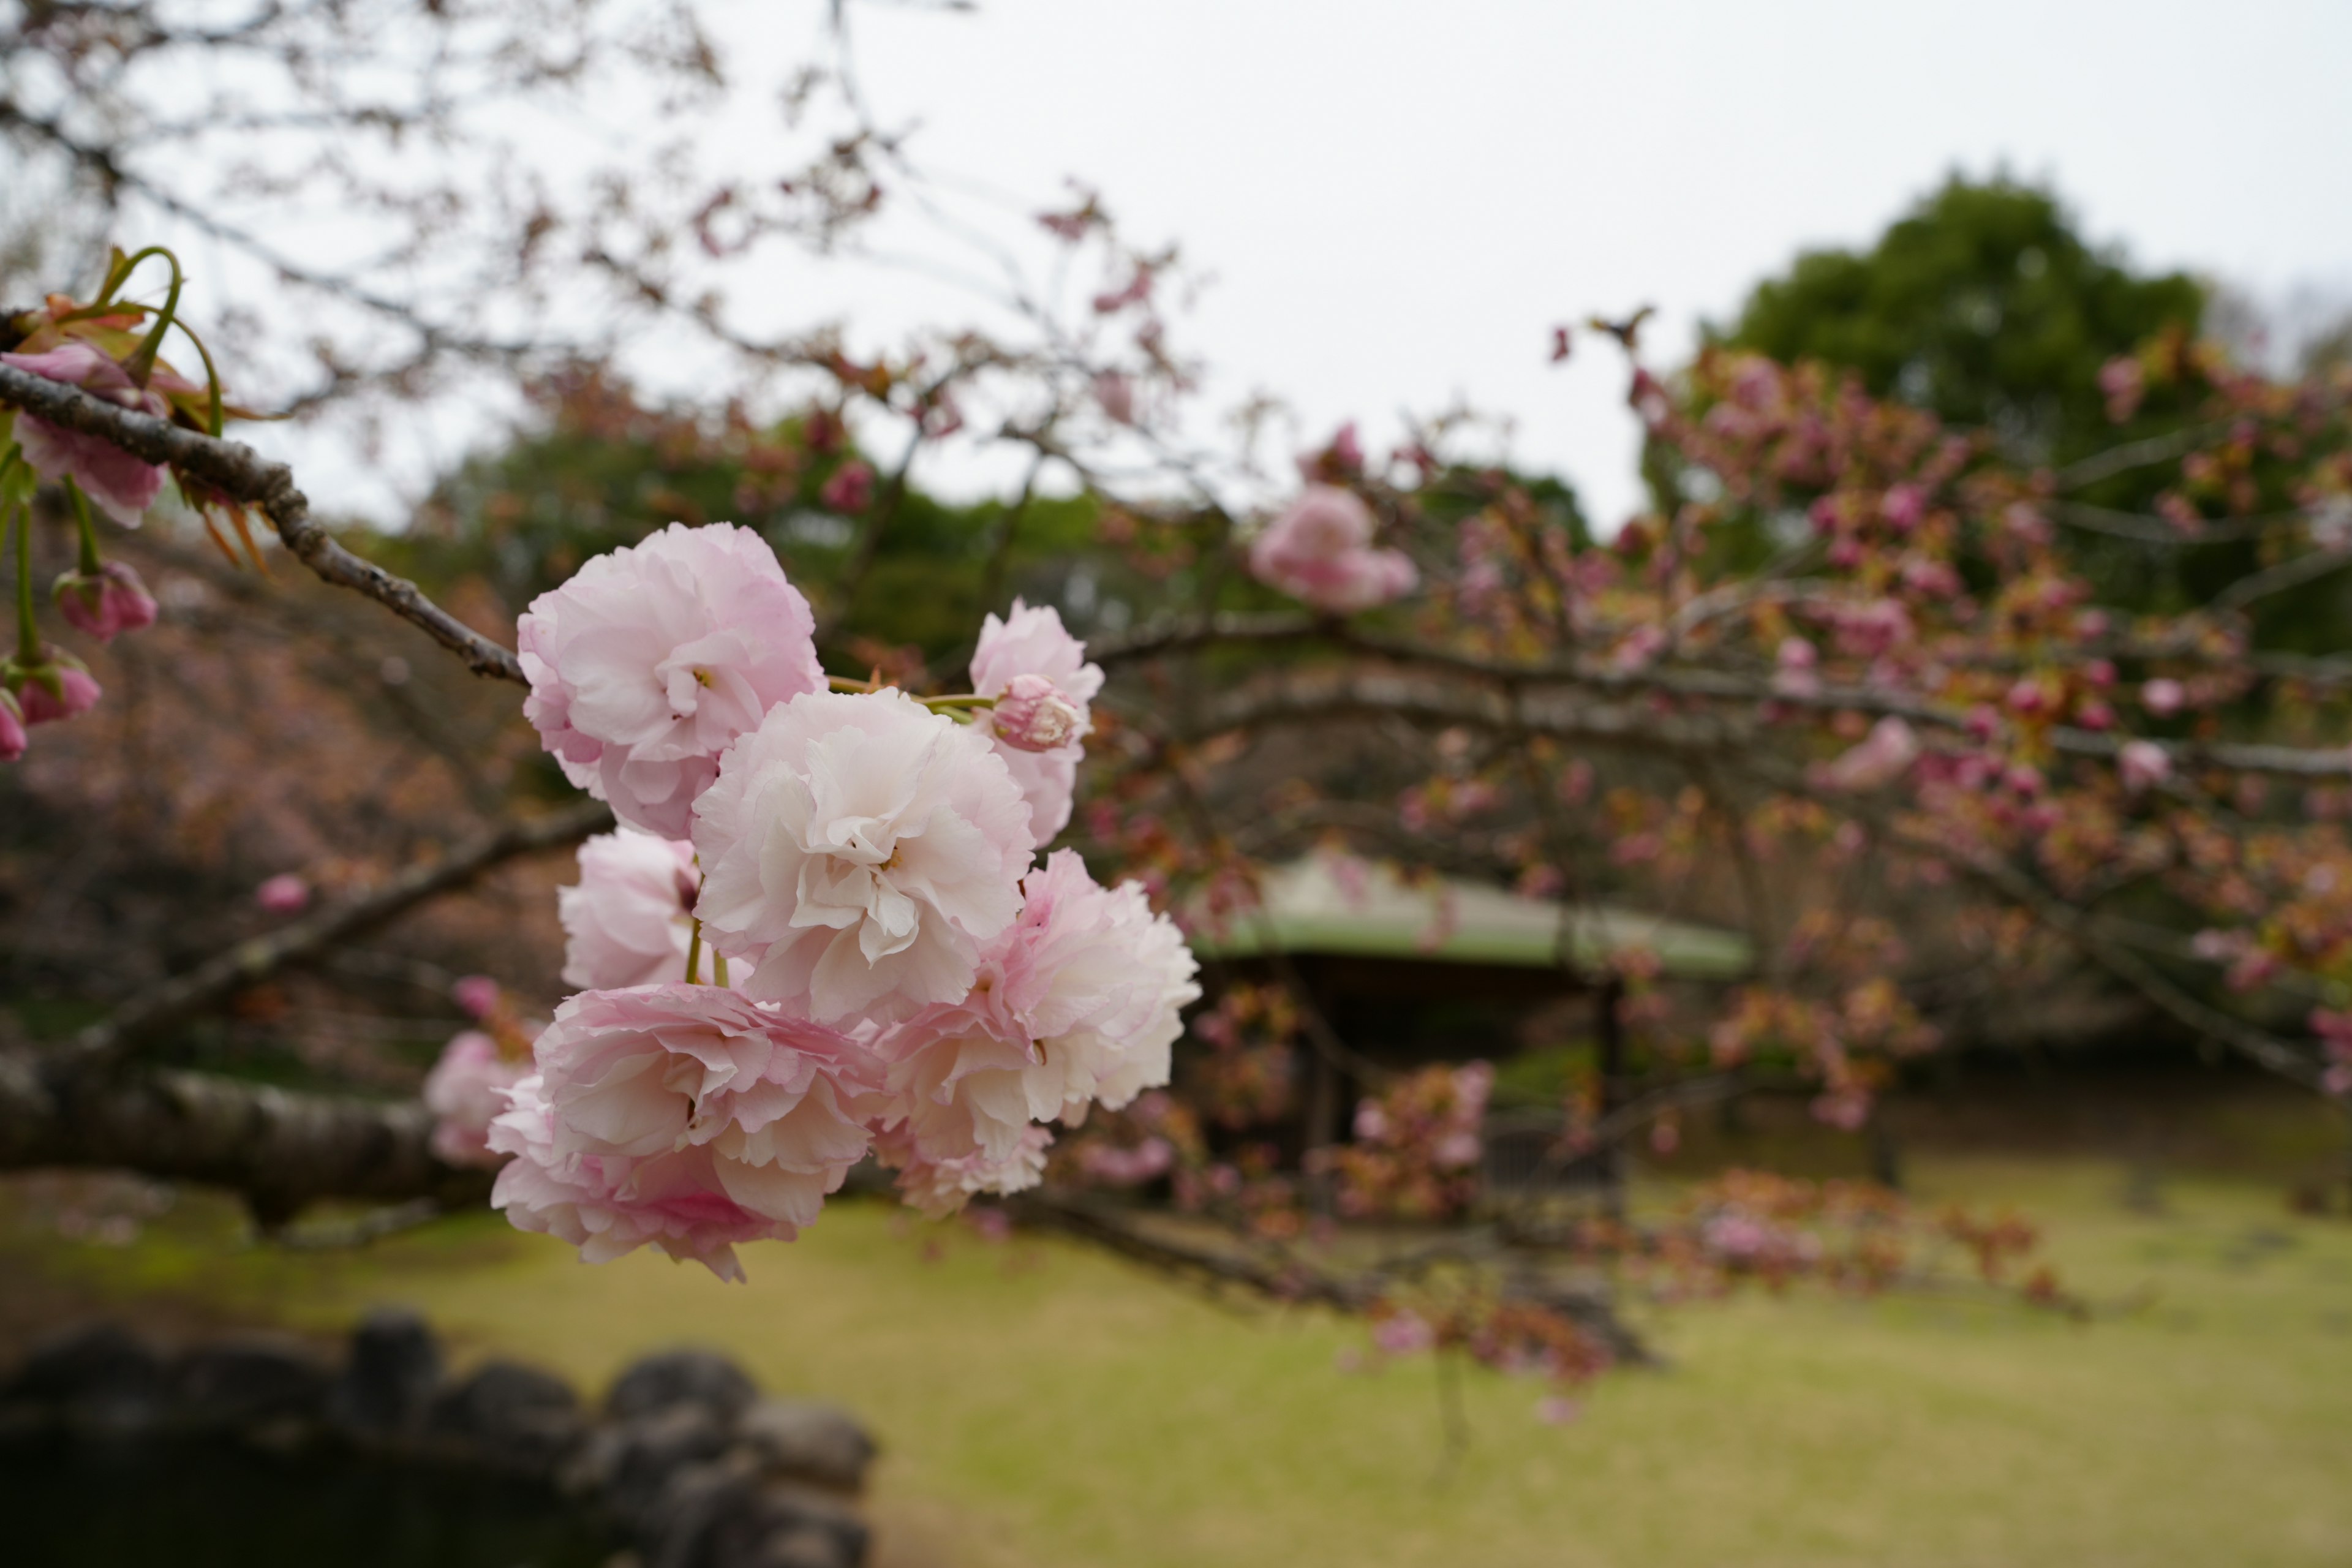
(1396, 202)
(1399, 200)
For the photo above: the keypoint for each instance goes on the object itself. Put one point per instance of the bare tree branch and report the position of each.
(281, 1150)
(239, 472)
(155, 1012)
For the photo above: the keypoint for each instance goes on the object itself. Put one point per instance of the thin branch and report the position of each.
(158, 1010)
(242, 475)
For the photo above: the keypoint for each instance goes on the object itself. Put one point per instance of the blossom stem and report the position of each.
(718, 967)
(28, 636)
(694, 952)
(90, 564)
(140, 366)
(960, 699)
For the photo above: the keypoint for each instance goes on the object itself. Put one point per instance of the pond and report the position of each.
(209, 1503)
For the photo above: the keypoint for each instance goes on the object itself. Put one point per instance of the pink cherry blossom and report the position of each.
(284, 894)
(103, 604)
(682, 1117)
(859, 849)
(466, 1091)
(938, 1188)
(119, 484)
(1884, 755)
(2144, 764)
(1033, 642)
(630, 919)
(2163, 696)
(11, 728)
(652, 659)
(1320, 551)
(1076, 1003)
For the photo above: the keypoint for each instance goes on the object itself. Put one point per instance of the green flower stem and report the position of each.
(28, 634)
(90, 563)
(694, 955)
(140, 366)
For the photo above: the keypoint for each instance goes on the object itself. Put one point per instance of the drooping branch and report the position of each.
(241, 474)
(156, 1011)
(280, 1149)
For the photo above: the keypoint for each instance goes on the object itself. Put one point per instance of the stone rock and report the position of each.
(808, 1441)
(528, 1419)
(387, 1385)
(100, 1376)
(633, 1463)
(681, 1377)
(782, 1525)
(254, 1378)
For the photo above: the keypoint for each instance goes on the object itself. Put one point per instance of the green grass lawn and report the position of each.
(1041, 1405)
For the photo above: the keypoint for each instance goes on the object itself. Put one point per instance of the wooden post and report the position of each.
(1610, 1032)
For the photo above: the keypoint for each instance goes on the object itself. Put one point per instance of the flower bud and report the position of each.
(11, 728)
(1033, 715)
(284, 894)
(59, 687)
(106, 602)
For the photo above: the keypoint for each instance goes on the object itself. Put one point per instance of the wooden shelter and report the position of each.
(1408, 972)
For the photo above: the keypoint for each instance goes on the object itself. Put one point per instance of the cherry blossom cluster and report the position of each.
(822, 932)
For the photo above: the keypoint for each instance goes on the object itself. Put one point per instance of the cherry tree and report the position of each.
(850, 914)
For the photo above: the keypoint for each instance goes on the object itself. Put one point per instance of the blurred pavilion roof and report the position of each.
(1330, 904)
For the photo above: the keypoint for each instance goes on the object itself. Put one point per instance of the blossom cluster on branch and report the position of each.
(821, 931)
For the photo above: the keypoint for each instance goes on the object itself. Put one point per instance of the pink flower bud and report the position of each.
(112, 600)
(851, 489)
(1904, 505)
(476, 994)
(11, 728)
(2144, 764)
(1035, 716)
(56, 688)
(284, 894)
(2163, 696)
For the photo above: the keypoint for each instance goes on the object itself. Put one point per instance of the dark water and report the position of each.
(216, 1505)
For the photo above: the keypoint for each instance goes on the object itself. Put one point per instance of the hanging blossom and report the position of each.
(106, 602)
(937, 1188)
(120, 485)
(859, 849)
(12, 739)
(652, 659)
(1078, 1004)
(1320, 551)
(1042, 685)
(55, 686)
(684, 1118)
(629, 921)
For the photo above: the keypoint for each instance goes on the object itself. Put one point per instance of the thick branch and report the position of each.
(280, 1149)
(162, 1008)
(239, 472)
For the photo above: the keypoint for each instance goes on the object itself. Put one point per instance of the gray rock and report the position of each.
(256, 1378)
(529, 1419)
(387, 1385)
(805, 1440)
(681, 1377)
(100, 1376)
(634, 1463)
(782, 1525)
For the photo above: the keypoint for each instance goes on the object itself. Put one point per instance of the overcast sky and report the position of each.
(1397, 201)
